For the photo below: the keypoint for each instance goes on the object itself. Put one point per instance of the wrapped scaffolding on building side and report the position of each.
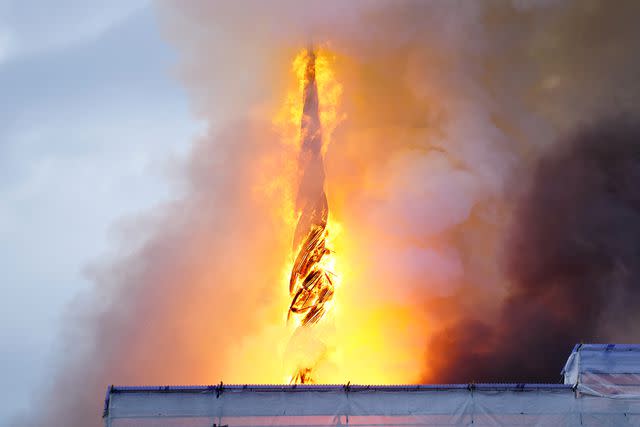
(600, 390)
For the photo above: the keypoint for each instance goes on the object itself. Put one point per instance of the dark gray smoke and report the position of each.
(573, 258)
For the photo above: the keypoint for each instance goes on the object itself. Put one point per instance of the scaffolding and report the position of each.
(600, 390)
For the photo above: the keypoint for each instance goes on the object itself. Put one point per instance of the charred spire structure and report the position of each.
(311, 283)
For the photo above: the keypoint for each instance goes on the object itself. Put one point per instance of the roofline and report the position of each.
(605, 347)
(221, 388)
(332, 387)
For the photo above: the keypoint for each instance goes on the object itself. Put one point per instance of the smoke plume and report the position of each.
(484, 227)
(573, 261)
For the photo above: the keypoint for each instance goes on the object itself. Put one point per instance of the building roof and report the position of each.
(574, 403)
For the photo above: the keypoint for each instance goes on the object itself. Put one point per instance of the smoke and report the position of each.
(181, 308)
(473, 245)
(573, 261)
(565, 257)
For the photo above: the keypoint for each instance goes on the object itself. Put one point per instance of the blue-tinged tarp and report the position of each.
(403, 405)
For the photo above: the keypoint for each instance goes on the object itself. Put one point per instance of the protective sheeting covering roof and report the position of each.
(576, 403)
(606, 370)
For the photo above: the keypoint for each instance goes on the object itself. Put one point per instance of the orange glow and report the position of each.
(311, 283)
(368, 335)
(352, 340)
(288, 118)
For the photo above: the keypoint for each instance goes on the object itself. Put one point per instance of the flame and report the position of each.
(312, 279)
(355, 332)
(329, 91)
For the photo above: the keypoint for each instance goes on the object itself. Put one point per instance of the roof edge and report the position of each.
(332, 387)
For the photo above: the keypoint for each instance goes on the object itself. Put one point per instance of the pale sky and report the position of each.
(92, 122)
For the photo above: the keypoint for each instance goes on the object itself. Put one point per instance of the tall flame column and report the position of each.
(311, 283)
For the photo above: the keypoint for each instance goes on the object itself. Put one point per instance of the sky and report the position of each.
(93, 122)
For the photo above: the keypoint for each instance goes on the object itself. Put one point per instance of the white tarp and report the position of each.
(606, 370)
(481, 405)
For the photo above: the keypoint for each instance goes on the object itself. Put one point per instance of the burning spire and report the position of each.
(311, 284)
